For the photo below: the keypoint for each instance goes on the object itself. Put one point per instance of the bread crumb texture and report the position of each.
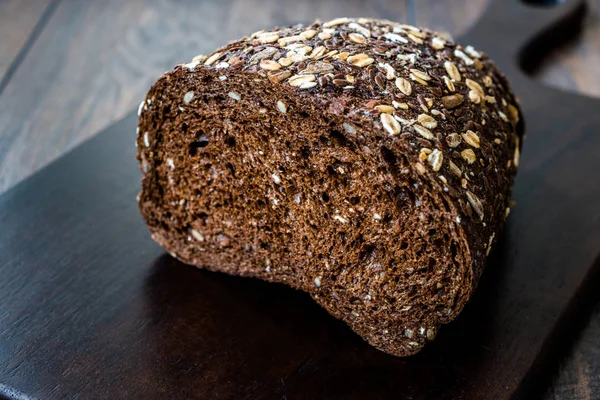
(365, 162)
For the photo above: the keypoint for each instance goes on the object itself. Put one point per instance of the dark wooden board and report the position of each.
(91, 308)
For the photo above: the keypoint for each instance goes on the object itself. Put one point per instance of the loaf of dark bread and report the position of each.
(365, 162)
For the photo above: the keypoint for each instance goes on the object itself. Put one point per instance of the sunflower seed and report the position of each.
(415, 38)
(430, 334)
(270, 65)
(191, 66)
(438, 43)
(281, 106)
(418, 80)
(513, 114)
(407, 27)
(454, 168)
(449, 84)
(471, 138)
(390, 124)
(269, 52)
(277, 77)
(395, 38)
(299, 80)
(197, 235)
(284, 61)
(475, 203)
(468, 155)
(474, 86)
(189, 96)
(452, 71)
(318, 52)
(427, 121)
(360, 60)
(517, 153)
(330, 54)
(317, 68)
(276, 178)
(472, 52)
(420, 168)
(343, 56)
(452, 101)
(436, 159)
(299, 48)
(360, 29)
(268, 37)
(474, 97)
(324, 35)
(335, 22)
(402, 106)
(385, 109)
(210, 60)
(411, 58)
(420, 74)
(463, 57)
(341, 219)
(349, 128)
(290, 39)
(404, 86)
(317, 282)
(307, 85)
(421, 130)
(390, 72)
(357, 38)
(308, 34)
(453, 140)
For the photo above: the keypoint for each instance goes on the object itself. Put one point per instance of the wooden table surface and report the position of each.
(69, 68)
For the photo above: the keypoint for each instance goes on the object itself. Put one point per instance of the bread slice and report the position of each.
(365, 162)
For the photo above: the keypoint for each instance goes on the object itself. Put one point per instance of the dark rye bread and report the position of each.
(365, 162)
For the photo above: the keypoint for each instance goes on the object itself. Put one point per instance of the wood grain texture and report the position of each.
(579, 374)
(18, 19)
(94, 61)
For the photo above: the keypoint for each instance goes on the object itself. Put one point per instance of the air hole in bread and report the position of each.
(230, 141)
(196, 146)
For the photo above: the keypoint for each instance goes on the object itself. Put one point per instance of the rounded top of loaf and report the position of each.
(449, 103)
(393, 68)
